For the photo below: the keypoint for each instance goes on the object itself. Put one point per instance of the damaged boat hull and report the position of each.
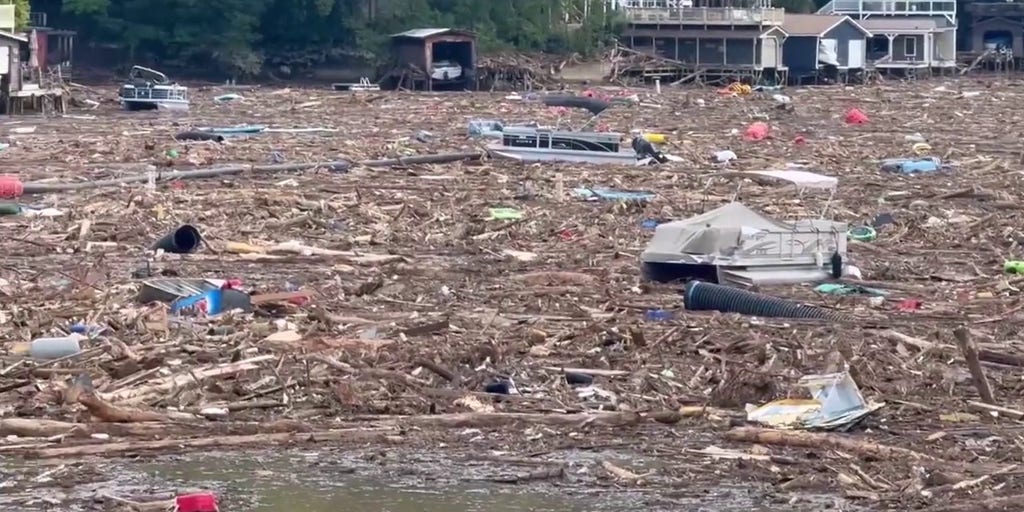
(568, 155)
(135, 106)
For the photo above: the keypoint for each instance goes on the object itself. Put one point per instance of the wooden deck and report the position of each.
(37, 99)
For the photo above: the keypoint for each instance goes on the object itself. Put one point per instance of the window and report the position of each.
(910, 47)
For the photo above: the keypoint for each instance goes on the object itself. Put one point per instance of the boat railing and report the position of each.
(559, 140)
(154, 93)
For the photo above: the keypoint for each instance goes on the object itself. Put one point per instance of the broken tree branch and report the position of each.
(970, 352)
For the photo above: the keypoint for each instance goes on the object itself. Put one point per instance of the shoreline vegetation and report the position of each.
(248, 38)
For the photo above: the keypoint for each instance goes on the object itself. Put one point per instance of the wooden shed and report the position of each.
(10, 67)
(815, 39)
(433, 58)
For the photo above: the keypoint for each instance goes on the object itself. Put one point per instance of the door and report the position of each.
(769, 53)
(855, 54)
(827, 53)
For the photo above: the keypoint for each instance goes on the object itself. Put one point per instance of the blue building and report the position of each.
(817, 42)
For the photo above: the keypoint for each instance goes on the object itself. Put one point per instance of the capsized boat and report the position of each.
(149, 89)
(540, 144)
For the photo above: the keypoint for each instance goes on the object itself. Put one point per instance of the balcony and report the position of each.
(705, 16)
(988, 8)
(890, 7)
(37, 20)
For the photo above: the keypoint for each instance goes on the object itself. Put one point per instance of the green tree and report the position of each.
(239, 36)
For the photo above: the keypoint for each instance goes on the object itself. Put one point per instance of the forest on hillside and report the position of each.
(241, 37)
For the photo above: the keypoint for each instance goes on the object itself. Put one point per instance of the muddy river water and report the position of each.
(297, 480)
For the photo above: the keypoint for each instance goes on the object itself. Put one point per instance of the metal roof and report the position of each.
(16, 37)
(423, 33)
(815, 25)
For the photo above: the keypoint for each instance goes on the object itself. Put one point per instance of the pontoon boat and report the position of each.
(148, 89)
(536, 144)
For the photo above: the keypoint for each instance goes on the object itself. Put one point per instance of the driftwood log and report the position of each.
(800, 439)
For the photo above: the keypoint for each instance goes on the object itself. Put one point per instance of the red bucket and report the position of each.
(198, 502)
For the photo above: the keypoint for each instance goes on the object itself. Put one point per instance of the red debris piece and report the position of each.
(856, 116)
(231, 284)
(197, 502)
(909, 305)
(11, 187)
(756, 131)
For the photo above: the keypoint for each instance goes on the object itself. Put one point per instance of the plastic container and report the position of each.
(86, 330)
(649, 224)
(656, 138)
(724, 156)
(862, 233)
(657, 315)
(911, 165)
(53, 348)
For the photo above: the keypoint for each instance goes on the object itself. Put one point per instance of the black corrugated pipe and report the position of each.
(701, 296)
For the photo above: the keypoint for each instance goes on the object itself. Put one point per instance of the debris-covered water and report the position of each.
(391, 299)
(312, 481)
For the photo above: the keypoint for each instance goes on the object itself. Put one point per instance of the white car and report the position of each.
(445, 70)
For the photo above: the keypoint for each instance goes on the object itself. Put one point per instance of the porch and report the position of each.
(911, 43)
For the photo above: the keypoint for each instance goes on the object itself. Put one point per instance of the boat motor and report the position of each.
(644, 149)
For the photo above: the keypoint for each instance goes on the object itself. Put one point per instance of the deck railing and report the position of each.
(991, 8)
(705, 15)
(901, 7)
(158, 93)
(37, 19)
